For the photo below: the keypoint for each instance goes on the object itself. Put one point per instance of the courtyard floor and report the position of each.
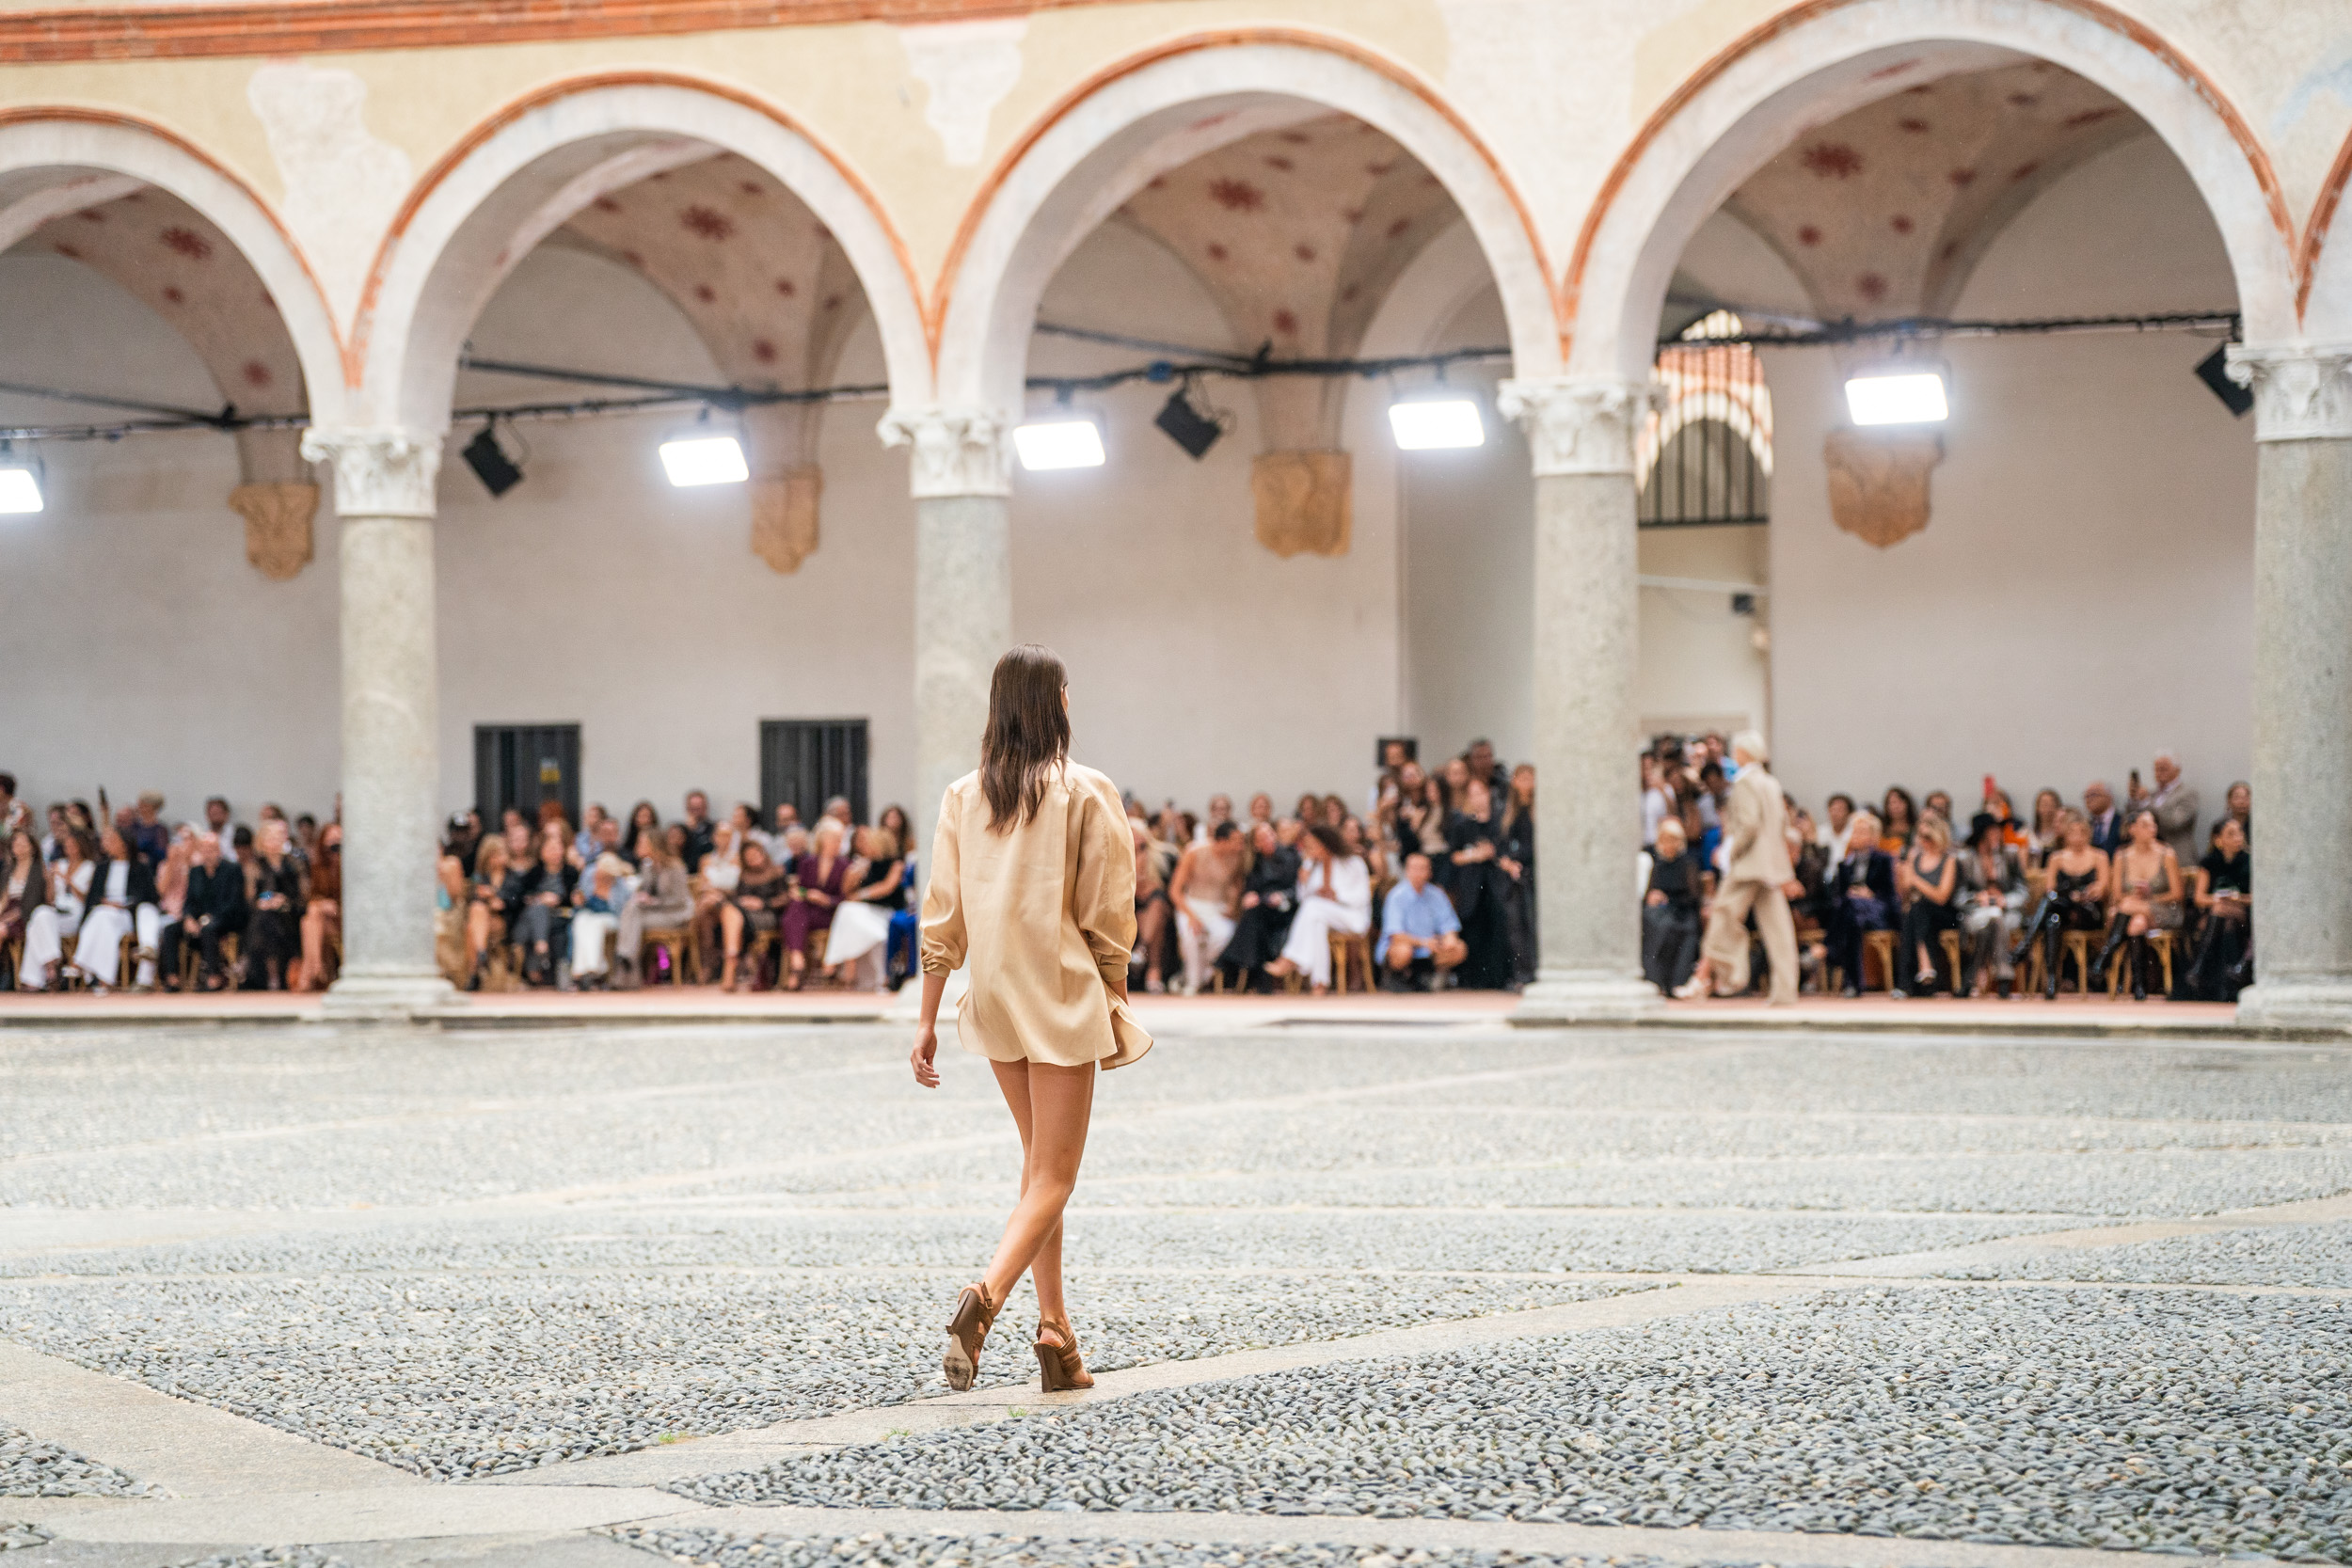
(1412, 1289)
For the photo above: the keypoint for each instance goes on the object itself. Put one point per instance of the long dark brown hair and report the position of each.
(1028, 734)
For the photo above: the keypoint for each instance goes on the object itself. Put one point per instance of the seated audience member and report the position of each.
(1334, 895)
(487, 915)
(1899, 819)
(52, 841)
(2238, 805)
(1220, 810)
(596, 904)
(462, 845)
(1927, 879)
(1150, 908)
(716, 875)
(1260, 809)
(903, 958)
(14, 814)
(756, 905)
(2074, 901)
(1938, 803)
(541, 929)
(448, 912)
(323, 913)
(860, 924)
(59, 913)
(662, 901)
(1707, 801)
(1518, 860)
(1421, 815)
(1423, 934)
(150, 839)
(171, 897)
(1310, 808)
(699, 831)
(1269, 897)
(642, 819)
(822, 875)
(1480, 889)
(585, 845)
(1206, 894)
(1992, 902)
(24, 888)
(2043, 834)
(122, 901)
(2224, 964)
(838, 809)
(1657, 798)
(272, 926)
(1836, 827)
(212, 911)
(1454, 779)
(1671, 909)
(2106, 823)
(1861, 898)
(2144, 894)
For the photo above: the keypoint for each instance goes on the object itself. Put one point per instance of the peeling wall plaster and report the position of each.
(342, 183)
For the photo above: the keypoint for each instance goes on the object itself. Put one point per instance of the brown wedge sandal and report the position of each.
(1059, 1365)
(967, 1331)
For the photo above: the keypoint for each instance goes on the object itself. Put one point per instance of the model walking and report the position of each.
(1033, 894)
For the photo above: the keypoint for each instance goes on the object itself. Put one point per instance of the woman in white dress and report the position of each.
(861, 923)
(47, 928)
(1334, 895)
(122, 901)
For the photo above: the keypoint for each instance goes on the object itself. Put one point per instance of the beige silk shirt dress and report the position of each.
(1041, 916)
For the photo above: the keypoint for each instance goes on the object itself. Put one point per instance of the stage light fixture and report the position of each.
(1433, 424)
(498, 473)
(1062, 443)
(1896, 396)
(2214, 371)
(704, 460)
(1182, 422)
(19, 484)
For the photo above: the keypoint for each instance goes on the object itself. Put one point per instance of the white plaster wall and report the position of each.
(2083, 594)
(138, 648)
(596, 593)
(1199, 661)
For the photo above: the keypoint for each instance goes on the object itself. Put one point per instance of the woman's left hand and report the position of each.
(926, 1047)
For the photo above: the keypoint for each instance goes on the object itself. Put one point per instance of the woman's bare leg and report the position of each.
(1051, 1105)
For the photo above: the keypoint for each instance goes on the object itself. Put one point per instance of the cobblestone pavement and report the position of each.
(1949, 1296)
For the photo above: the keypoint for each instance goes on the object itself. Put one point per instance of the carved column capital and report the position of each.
(378, 473)
(1578, 424)
(2302, 391)
(956, 451)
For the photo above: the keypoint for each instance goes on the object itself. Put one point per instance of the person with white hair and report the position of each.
(1759, 876)
(2175, 805)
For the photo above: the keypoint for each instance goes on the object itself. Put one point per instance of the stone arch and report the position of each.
(1111, 135)
(55, 160)
(2323, 271)
(1825, 58)
(521, 173)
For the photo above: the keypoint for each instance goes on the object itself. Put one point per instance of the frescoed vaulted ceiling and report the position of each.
(1298, 234)
(1884, 212)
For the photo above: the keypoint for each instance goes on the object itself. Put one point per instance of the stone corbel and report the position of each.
(378, 473)
(1578, 424)
(276, 526)
(2302, 392)
(956, 451)
(1879, 482)
(784, 515)
(1304, 502)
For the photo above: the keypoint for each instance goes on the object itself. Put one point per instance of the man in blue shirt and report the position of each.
(1420, 928)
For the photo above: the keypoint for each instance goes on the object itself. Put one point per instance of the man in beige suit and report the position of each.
(1757, 875)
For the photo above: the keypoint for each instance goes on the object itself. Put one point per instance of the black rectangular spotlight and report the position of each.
(1187, 426)
(491, 465)
(2214, 371)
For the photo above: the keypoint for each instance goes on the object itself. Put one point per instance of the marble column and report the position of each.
(384, 495)
(2302, 684)
(1587, 807)
(963, 483)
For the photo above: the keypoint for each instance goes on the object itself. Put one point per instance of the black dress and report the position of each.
(1670, 932)
(1519, 843)
(2220, 971)
(1480, 891)
(273, 937)
(1258, 935)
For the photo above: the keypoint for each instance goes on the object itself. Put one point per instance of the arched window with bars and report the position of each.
(1705, 456)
